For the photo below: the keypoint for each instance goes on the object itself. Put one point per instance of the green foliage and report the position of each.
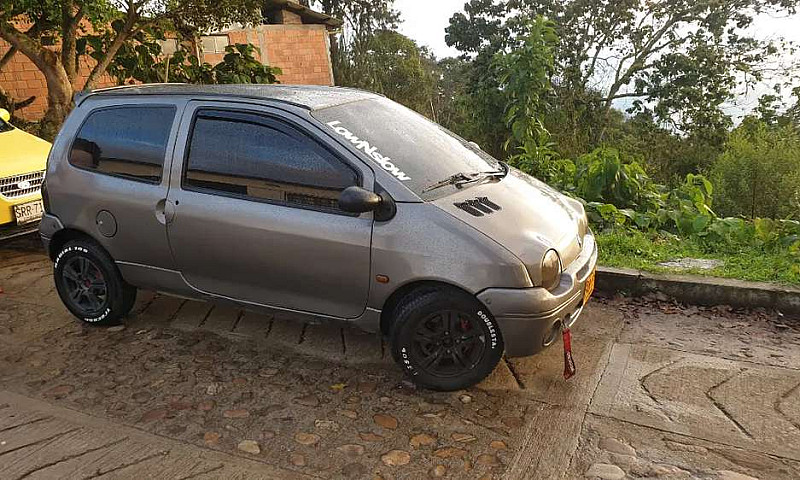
(115, 26)
(646, 250)
(680, 61)
(602, 176)
(144, 63)
(362, 20)
(483, 104)
(525, 76)
(619, 197)
(395, 66)
(758, 174)
(239, 65)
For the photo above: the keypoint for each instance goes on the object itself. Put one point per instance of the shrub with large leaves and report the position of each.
(619, 195)
(144, 63)
(602, 176)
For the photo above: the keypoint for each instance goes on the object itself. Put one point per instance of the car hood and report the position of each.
(524, 215)
(21, 152)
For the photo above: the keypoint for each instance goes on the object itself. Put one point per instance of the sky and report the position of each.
(426, 20)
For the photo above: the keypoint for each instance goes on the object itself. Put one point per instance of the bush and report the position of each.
(758, 174)
(620, 197)
(144, 63)
(602, 176)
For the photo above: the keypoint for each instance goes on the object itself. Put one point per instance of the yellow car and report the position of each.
(23, 159)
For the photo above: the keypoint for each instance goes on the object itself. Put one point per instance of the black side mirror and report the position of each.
(359, 200)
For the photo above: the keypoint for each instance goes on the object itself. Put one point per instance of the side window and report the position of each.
(261, 158)
(129, 142)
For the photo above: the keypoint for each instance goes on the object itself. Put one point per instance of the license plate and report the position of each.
(28, 212)
(588, 289)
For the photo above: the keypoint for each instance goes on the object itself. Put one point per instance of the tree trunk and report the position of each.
(59, 98)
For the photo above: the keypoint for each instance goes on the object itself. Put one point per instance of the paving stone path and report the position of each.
(40, 441)
(188, 389)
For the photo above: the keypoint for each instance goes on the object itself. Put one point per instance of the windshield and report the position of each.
(413, 149)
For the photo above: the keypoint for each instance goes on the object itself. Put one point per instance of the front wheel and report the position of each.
(444, 339)
(90, 285)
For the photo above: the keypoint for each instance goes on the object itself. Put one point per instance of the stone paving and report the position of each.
(188, 389)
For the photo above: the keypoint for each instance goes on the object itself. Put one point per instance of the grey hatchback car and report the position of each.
(324, 202)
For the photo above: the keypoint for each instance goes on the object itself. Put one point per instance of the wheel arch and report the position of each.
(65, 235)
(404, 290)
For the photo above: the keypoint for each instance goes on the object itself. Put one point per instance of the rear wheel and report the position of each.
(90, 285)
(445, 339)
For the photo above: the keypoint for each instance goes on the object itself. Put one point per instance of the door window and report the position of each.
(130, 142)
(259, 158)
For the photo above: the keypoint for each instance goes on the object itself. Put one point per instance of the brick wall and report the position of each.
(301, 51)
(21, 79)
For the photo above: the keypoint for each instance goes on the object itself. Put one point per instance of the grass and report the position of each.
(645, 251)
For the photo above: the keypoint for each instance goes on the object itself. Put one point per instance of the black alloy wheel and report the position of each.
(87, 290)
(450, 343)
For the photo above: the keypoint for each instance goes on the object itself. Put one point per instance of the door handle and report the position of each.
(165, 211)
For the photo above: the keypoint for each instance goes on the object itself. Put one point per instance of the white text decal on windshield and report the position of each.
(365, 147)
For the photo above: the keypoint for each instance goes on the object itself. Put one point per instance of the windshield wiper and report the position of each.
(460, 179)
(451, 180)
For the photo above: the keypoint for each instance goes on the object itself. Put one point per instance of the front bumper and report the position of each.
(531, 319)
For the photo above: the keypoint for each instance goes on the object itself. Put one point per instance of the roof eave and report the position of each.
(307, 13)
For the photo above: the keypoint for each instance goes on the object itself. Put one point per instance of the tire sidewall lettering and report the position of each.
(490, 326)
(74, 248)
(100, 318)
(405, 358)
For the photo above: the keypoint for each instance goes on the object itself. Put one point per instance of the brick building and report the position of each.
(292, 37)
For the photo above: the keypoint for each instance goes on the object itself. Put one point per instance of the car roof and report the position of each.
(311, 97)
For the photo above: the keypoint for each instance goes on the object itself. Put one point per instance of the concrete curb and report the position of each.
(694, 289)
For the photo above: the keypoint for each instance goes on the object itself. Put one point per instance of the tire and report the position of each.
(445, 339)
(90, 285)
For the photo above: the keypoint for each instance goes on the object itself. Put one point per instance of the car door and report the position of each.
(256, 212)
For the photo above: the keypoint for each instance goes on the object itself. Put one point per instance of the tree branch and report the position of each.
(70, 22)
(40, 56)
(131, 18)
(625, 95)
(7, 56)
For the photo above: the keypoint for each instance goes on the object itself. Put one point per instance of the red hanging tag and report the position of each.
(569, 362)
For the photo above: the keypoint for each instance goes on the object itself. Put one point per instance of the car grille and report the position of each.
(21, 185)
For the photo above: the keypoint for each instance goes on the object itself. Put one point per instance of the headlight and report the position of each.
(551, 270)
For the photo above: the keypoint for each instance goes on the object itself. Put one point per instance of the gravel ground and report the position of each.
(662, 391)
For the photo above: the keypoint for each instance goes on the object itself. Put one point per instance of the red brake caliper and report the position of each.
(569, 362)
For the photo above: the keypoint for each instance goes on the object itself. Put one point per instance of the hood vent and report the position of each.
(478, 207)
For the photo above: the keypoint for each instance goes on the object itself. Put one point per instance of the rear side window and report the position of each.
(130, 142)
(260, 158)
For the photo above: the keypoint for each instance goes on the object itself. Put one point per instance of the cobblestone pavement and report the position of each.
(190, 390)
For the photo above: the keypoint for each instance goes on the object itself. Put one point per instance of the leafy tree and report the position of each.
(679, 58)
(758, 175)
(30, 26)
(449, 108)
(395, 67)
(526, 82)
(792, 115)
(362, 20)
(483, 105)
